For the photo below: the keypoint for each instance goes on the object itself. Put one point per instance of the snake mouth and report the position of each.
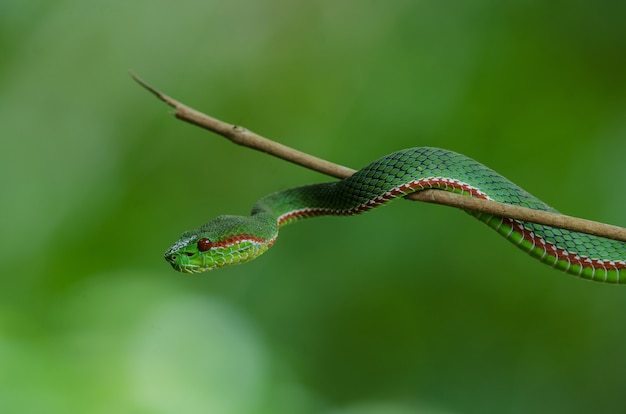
(187, 267)
(180, 261)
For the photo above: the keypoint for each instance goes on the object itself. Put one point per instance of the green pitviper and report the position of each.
(227, 240)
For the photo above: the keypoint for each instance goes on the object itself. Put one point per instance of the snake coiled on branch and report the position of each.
(227, 240)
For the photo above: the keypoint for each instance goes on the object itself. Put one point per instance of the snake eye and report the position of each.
(204, 244)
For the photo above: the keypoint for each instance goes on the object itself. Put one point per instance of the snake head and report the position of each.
(223, 241)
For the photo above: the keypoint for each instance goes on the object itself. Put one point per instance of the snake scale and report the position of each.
(227, 240)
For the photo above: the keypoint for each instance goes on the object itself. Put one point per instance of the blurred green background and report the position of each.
(408, 309)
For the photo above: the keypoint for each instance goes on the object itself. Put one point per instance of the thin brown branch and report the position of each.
(246, 138)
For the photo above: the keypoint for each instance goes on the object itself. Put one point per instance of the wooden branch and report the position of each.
(246, 138)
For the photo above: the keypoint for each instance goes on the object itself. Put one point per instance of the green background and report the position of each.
(412, 308)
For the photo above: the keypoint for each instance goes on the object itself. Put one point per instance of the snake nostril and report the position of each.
(189, 254)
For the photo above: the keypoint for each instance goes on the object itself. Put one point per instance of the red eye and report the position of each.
(204, 244)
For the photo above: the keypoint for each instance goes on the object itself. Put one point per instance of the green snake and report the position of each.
(228, 240)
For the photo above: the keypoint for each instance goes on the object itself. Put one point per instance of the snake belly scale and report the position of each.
(227, 240)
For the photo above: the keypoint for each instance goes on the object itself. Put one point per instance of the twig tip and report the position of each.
(151, 89)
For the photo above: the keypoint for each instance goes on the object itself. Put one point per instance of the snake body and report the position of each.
(227, 240)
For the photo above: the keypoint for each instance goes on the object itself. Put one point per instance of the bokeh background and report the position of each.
(408, 309)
